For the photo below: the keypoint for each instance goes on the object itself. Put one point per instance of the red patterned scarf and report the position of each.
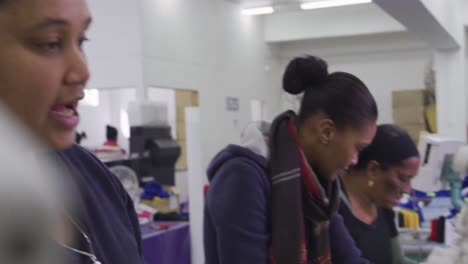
(298, 200)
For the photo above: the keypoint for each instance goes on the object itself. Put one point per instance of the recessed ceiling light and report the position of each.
(258, 11)
(332, 3)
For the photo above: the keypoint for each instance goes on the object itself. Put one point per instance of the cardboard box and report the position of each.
(409, 98)
(408, 114)
(184, 98)
(180, 113)
(182, 161)
(195, 99)
(180, 130)
(413, 129)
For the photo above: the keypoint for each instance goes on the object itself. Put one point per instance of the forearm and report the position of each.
(397, 253)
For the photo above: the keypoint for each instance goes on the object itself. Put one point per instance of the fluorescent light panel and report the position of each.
(332, 3)
(258, 11)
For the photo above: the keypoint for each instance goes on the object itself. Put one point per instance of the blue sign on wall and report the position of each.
(232, 104)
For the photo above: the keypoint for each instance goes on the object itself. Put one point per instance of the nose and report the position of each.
(77, 68)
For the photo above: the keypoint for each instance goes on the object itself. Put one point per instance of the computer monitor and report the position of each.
(153, 154)
(433, 150)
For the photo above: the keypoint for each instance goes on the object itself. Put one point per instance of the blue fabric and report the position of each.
(154, 189)
(236, 216)
(236, 208)
(106, 211)
(465, 182)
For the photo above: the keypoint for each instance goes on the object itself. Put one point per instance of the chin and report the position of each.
(61, 141)
(389, 205)
(62, 145)
(333, 177)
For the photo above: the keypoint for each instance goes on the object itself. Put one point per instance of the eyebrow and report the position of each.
(48, 22)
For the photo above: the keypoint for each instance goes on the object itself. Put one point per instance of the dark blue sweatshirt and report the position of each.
(106, 211)
(236, 222)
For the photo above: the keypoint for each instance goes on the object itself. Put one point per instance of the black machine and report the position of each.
(153, 154)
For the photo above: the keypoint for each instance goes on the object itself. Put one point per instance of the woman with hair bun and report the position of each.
(281, 213)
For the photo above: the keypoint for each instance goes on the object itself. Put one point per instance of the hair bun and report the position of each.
(303, 73)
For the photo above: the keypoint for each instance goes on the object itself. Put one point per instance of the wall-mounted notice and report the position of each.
(232, 104)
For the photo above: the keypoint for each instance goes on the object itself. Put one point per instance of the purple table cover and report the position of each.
(171, 246)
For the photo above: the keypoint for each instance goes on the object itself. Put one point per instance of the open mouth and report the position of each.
(65, 115)
(65, 110)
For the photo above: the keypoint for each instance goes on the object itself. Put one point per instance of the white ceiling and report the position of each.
(252, 2)
(289, 23)
(255, 3)
(329, 23)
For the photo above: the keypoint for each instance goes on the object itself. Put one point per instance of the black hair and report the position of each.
(391, 146)
(340, 95)
(111, 133)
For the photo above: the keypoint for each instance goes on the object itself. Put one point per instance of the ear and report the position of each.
(327, 130)
(372, 170)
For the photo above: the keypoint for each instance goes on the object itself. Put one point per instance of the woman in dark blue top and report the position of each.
(105, 211)
(373, 187)
(43, 73)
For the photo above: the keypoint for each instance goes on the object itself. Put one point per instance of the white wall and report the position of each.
(466, 64)
(445, 14)
(465, 11)
(115, 50)
(209, 47)
(167, 97)
(115, 60)
(386, 62)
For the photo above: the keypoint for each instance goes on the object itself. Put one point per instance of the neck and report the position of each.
(356, 185)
